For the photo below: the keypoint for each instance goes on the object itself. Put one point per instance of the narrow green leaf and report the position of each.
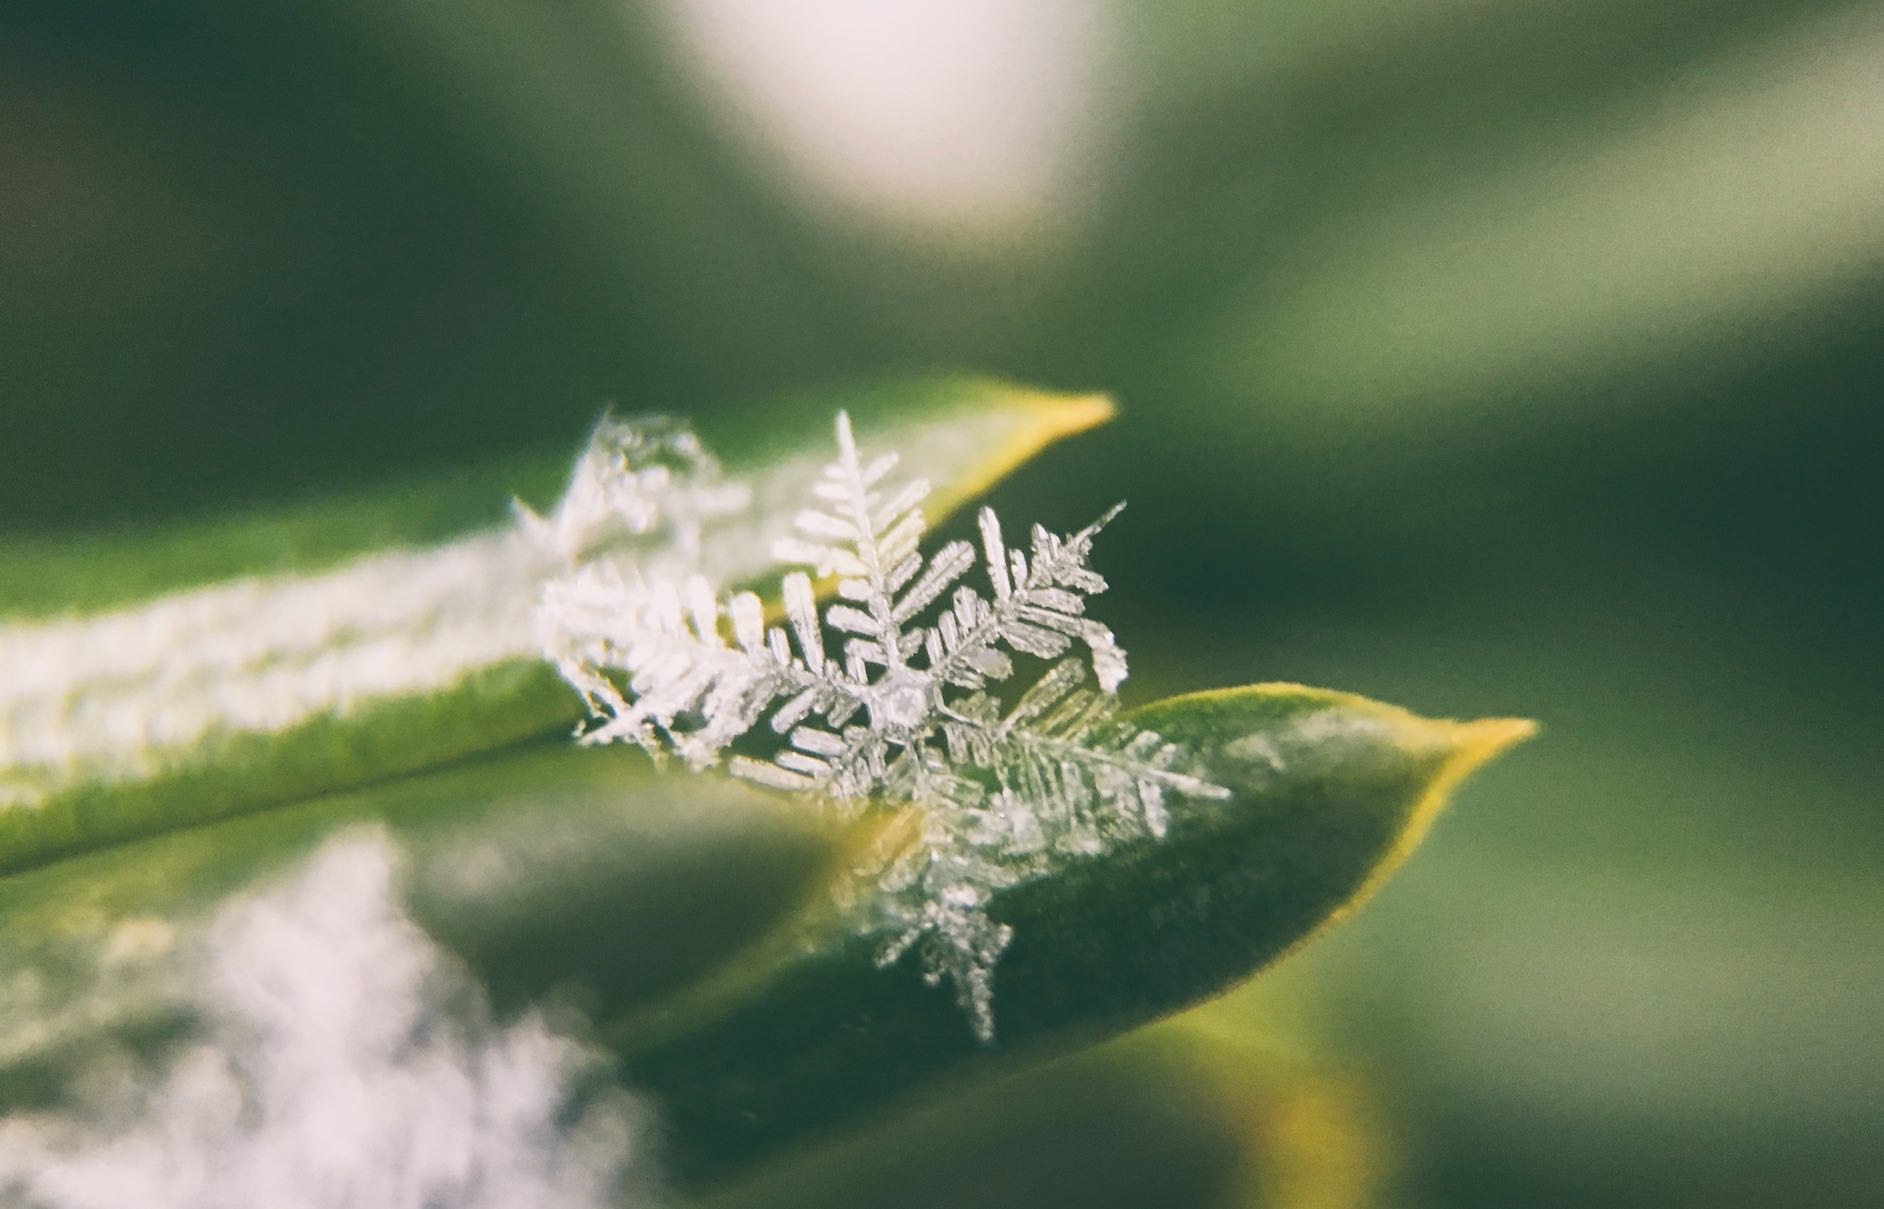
(1329, 793)
(341, 643)
(583, 871)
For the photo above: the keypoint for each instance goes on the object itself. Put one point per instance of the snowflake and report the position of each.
(901, 711)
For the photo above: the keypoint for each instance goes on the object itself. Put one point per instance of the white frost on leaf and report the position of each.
(136, 692)
(341, 1059)
(889, 697)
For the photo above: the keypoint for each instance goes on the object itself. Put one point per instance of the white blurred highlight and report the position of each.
(967, 116)
(346, 1062)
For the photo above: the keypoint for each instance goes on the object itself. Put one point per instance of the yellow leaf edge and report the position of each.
(1052, 416)
(1471, 744)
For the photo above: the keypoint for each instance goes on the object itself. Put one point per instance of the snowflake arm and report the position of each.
(871, 543)
(1037, 608)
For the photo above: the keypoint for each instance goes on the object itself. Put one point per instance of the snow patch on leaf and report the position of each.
(342, 1060)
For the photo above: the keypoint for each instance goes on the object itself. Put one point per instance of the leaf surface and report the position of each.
(1329, 792)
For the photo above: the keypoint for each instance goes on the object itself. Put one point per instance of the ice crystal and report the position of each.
(637, 479)
(887, 697)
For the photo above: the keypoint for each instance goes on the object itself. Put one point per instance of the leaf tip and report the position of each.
(1477, 743)
(1470, 746)
(1053, 416)
(1065, 415)
(1467, 747)
(1034, 419)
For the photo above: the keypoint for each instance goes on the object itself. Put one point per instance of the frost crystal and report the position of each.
(337, 1058)
(897, 707)
(636, 479)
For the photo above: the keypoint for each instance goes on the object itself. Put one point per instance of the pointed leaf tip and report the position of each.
(1474, 744)
(1264, 738)
(1066, 415)
(1466, 747)
(1049, 417)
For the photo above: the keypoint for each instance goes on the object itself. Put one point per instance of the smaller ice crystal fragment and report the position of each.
(818, 742)
(903, 502)
(636, 479)
(851, 621)
(820, 524)
(798, 761)
(1047, 692)
(996, 552)
(748, 621)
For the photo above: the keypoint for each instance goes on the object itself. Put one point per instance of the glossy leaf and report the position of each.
(1328, 793)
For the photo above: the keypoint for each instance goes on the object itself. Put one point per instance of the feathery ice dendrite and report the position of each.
(650, 477)
(898, 706)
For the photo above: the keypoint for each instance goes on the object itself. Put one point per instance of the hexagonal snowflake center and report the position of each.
(899, 701)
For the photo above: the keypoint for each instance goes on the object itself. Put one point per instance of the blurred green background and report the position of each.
(1486, 356)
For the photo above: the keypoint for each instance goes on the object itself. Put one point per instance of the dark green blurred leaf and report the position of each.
(555, 865)
(1181, 1116)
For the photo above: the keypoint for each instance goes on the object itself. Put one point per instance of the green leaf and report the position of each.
(344, 642)
(584, 870)
(1328, 793)
(553, 865)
